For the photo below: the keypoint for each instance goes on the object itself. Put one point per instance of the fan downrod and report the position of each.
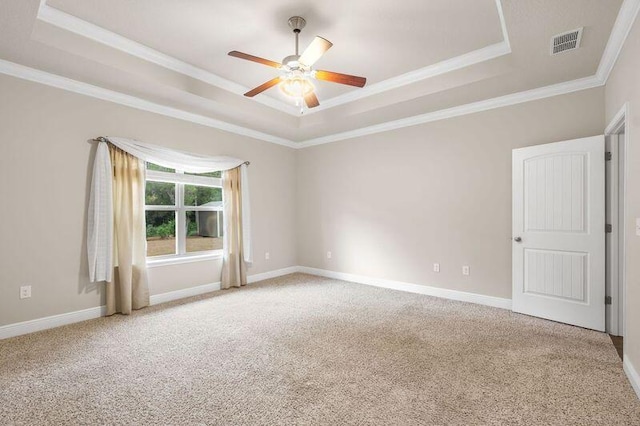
(296, 23)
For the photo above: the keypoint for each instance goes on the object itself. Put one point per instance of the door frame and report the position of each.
(616, 127)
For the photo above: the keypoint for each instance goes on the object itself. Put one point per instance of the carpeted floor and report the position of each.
(308, 350)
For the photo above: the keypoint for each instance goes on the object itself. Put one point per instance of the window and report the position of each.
(183, 213)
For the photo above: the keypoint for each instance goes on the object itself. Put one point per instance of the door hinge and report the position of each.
(608, 228)
(607, 300)
(607, 156)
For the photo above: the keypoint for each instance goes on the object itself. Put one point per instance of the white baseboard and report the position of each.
(208, 288)
(39, 324)
(185, 292)
(496, 302)
(632, 374)
(272, 274)
(53, 321)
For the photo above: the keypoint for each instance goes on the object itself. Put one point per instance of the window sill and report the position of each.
(178, 260)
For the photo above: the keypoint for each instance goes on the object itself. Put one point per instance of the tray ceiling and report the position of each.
(378, 40)
(419, 57)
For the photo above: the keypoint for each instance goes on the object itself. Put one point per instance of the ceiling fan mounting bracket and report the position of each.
(297, 23)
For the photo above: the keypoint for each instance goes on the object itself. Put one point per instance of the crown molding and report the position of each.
(49, 79)
(485, 105)
(101, 35)
(53, 80)
(621, 28)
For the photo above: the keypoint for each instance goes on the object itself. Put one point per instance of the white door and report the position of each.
(559, 232)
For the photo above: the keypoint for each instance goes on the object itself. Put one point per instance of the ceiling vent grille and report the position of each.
(566, 41)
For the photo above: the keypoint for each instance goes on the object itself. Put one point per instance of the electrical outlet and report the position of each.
(436, 267)
(25, 292)
(328, 255)
(266, 255)
(465, 270)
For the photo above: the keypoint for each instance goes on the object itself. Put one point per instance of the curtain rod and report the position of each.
(103, 139)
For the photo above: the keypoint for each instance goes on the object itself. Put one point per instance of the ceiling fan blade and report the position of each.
(257, 59)
(315, 50)
(251, 93)
(311, 100)
(336, 77)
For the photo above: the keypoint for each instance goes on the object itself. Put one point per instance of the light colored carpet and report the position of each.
(308, 350)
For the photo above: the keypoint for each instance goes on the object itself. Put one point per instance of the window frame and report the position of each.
(181, 179)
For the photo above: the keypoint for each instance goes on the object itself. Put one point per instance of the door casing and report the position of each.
(618, 133)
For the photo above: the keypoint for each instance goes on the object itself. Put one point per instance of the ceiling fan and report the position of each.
(297, 70)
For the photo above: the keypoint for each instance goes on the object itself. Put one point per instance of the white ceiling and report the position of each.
(419, 56)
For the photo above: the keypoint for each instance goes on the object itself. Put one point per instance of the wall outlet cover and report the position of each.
(25, 291)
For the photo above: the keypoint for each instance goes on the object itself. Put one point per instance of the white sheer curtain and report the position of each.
(100, 222)
(174, 159)
(100, 218)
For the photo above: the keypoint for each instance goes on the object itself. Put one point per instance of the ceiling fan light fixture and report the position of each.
(296, 86)
(298, 70)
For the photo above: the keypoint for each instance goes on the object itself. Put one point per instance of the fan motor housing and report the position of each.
(291, 62)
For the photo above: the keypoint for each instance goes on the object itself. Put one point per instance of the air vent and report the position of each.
(566, 41)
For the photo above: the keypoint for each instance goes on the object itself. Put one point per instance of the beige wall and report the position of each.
(390, 205)
(45, 165)
(387, 205)
(624, 86)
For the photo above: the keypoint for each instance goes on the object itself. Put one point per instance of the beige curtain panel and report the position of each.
(129, 289)
(234, 270)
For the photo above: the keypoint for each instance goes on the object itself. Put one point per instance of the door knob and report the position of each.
(517, 239)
